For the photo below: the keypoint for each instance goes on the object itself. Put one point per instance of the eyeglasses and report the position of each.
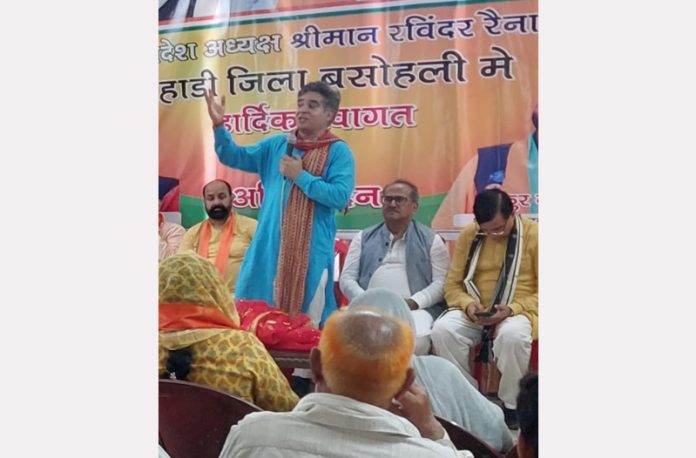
(496, 232)
(492, 233)
(397, 199)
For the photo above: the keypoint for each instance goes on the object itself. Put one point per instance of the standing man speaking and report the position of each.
(290, 260)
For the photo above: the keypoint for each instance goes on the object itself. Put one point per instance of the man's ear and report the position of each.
(331, 116)
(410, 378)
(315, 365)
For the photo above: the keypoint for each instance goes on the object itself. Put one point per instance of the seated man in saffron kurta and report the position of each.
(224, 237)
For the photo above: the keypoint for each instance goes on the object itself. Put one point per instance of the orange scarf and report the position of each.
(176, 317)
(223, 253)
(325, 139)
(296, 229)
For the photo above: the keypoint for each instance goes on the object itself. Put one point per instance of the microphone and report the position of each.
(291, 143)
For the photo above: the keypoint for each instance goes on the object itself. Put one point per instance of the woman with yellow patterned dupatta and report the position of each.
(200, 340)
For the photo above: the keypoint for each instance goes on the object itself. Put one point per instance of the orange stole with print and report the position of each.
(223, 253)
(296, 228)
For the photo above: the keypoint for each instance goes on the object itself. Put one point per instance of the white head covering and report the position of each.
(387, 302)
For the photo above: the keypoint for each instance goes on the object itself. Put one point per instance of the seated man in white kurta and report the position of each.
(402, 255)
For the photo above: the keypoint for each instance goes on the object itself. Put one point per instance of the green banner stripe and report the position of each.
(193, 212)
(299, 16)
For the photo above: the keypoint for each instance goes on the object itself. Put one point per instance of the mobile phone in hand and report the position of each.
(484, 314)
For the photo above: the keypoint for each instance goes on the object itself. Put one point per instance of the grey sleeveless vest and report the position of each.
(419, 239)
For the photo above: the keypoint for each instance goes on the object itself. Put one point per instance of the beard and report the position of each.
(218, 212)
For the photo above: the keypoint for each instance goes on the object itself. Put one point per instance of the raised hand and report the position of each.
(216, 111)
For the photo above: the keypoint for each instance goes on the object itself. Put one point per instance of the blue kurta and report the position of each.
(330, 192)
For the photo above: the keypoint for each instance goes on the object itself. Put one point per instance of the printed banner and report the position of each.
(443, 94)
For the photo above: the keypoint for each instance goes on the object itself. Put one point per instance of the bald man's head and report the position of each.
(365, 355)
